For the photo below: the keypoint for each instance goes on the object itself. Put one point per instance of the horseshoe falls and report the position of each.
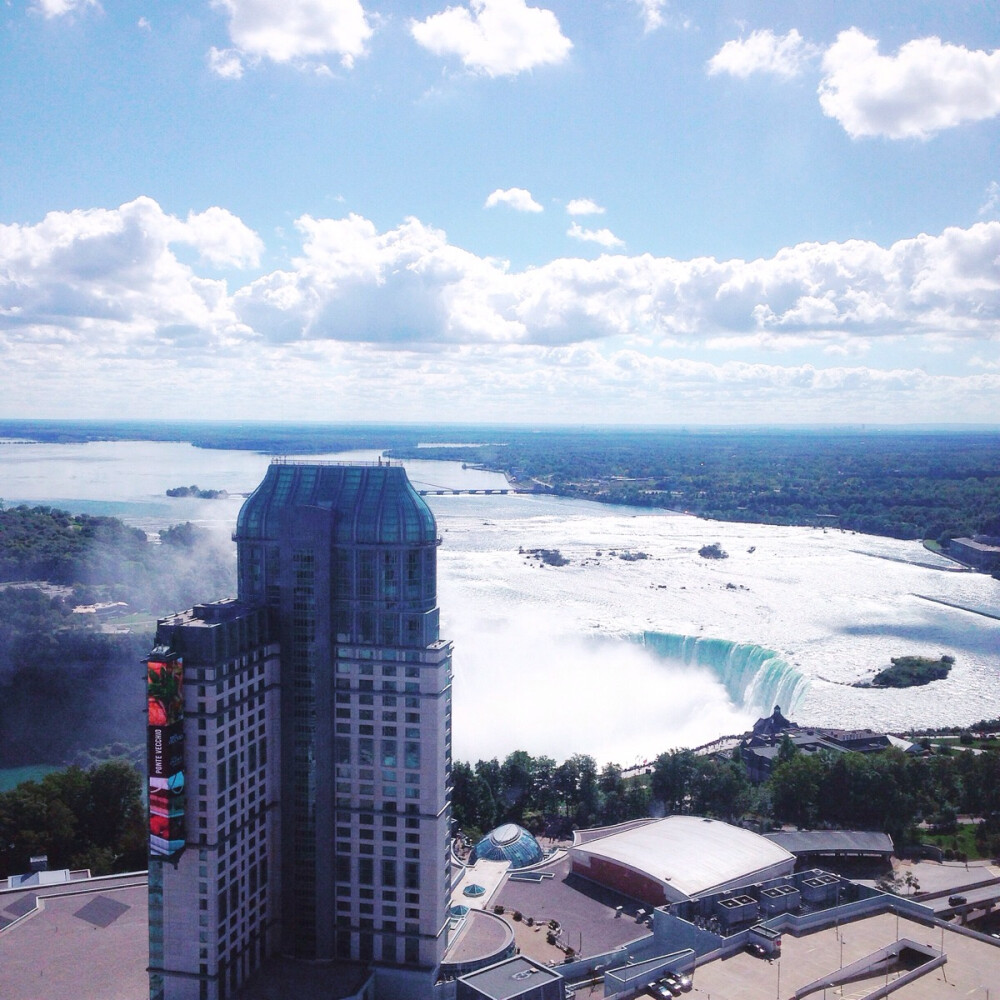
(756, 678)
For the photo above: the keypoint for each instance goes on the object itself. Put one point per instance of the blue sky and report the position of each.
(590, 211)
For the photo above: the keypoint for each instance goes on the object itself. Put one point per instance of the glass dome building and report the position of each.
(511, 843)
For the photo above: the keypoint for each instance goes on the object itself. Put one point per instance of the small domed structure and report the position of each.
(511, 843)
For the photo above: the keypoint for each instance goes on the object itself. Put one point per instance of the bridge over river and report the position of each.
(426, 490)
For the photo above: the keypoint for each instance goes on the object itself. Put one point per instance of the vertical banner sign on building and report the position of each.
(165, 734)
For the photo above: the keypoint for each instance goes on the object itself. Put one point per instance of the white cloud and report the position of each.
(221, 238)
(60, 8)
(295, 30)
(763, 52)
(225, 63)
(144, 24)
(604, 237)
(583, 206)
(984, 363)
(107, 279)
(516, 198)
(652, 13)
(409, 284)
(495, 37)
(991, 207)
(926, 87)
(97, 305)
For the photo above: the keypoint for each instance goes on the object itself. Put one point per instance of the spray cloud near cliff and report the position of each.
(80, 617)
(528, 684)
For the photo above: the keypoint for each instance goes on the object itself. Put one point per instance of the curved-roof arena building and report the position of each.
(676, 858)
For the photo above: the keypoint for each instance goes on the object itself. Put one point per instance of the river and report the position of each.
(617, 657)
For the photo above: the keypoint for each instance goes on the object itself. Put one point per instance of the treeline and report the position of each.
(42, 543)
(81, 819)
(554, 799)
(272, 438)
(889, 791)
(106, 560)
(904, 484)
(900, 484)
(542, 796)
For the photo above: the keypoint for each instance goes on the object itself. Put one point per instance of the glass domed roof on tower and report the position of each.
(509, 842)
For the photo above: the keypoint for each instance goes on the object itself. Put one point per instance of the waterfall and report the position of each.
(756, 679)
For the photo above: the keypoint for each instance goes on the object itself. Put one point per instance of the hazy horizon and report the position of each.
(596, 426)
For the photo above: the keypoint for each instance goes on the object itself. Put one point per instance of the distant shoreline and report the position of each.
(902, 482)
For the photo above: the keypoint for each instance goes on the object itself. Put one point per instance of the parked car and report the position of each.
(659, 990)
(681, 979)
(670, 983)
(756, 950)
(665, 990)
(956, 900)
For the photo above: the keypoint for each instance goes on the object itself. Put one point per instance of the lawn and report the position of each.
(962, 841)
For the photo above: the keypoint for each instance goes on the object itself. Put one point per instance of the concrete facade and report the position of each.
(317, 735)
(344, 557)
(213, 914)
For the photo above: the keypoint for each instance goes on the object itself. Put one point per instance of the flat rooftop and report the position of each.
(511, 978)
(832, 841)
(586, 912)
(87, 938)
(482, 933)
(973, 966)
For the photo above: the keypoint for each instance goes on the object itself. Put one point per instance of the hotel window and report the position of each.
(412, 875)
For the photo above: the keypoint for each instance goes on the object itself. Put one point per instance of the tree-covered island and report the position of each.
(197, 493)
(910, 671)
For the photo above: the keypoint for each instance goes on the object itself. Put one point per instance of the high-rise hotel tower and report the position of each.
(340, 562)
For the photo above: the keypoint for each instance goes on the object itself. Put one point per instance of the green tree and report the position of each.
(80, 819)
(516, 777)
(672, 779)
(795, 789)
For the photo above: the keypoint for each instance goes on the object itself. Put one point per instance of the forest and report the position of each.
(896, 483)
